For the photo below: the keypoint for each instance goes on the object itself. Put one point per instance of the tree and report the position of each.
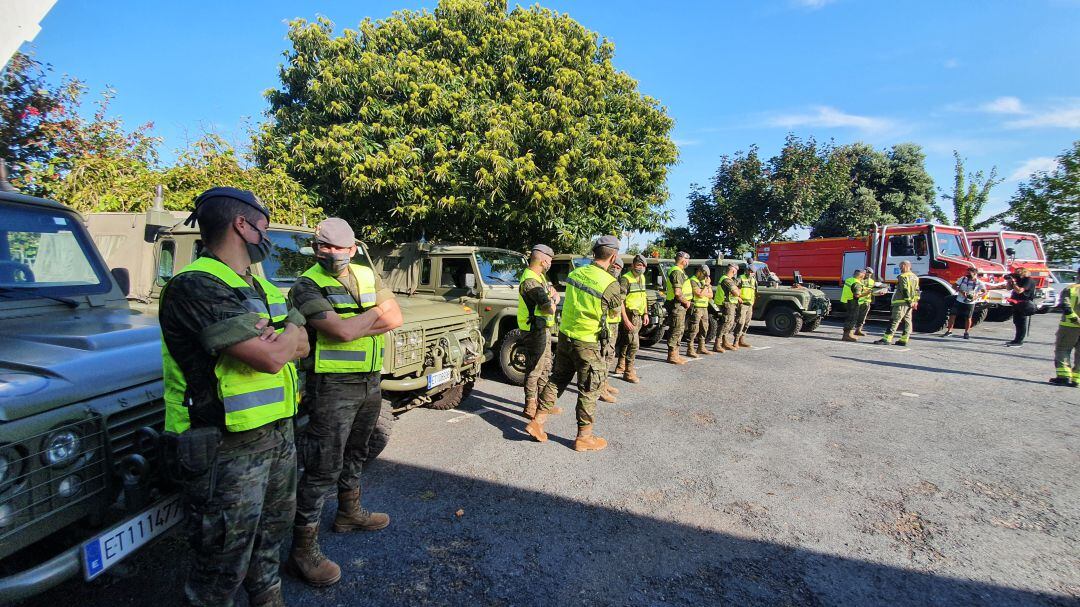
(969, 199)
(470, 124)
(733, 213)
(1049, 205)
(906, 192)
(672, 240)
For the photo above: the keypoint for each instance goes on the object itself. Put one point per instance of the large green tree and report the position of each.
(733, 213)
(470, 123)
(971, 192)
(1049, 205)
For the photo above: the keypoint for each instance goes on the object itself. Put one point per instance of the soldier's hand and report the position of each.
(645, 321)
(915, 305)
(268, 331)
(686, 304)
(303, 348)
(629, 325)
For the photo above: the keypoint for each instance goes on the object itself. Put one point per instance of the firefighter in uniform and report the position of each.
(347, 312)
(607, 345)
(537, 301)
(591, 293)
(701, 290)
(635, 315)
(727, 299)
(228, 339)
(1068, 339)
(852, 297)
(905, 301)
(677, 302)
(747, 294)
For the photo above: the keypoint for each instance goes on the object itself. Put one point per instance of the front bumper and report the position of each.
(33, 581)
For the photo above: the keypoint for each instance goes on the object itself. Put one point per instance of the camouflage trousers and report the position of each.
(343, 411)
(239, 514)
(573, 357)
(743, 314)
(607, 346)
(699, 326)
(677, 318)
(1067, 341)
(629, 339)
(862, 310)
(723, 324)
(537, 347)
(851, 321)
(901, 315)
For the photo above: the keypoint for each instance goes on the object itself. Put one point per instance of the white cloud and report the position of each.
(813, 4)
(831, 118)
(1032, 166)
(1062, 117)
(682, 143)
(1003, 105)
(951, 64)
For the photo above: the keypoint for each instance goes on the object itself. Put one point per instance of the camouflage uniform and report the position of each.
(677, 313)
(728, 311)
(537, 342)
(855, 313)
(343, 409)
(905, 294)
(240, 510)
(627, 345)
(699, 319)
(743, 315)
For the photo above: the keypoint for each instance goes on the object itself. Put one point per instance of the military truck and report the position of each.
(563, 264)
(482, 278)
(786, 310)
(432, 360)
(80, 405)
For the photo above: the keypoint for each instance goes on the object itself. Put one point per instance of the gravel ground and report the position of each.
(806, 471)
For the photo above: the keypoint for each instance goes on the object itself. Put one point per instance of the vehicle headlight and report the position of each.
(61, 448)
(6, 517)
(69, 486)
(399, 341)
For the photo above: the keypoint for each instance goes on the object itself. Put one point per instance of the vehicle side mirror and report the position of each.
(937, 264)
(309, 252)
(123, 279)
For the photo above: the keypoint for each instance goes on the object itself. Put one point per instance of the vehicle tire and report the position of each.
(933, 313)
(452, 396)
(512, 357)
(999, 314)
(812, 325)
(783, 321)
(380, 437)
(979, 316)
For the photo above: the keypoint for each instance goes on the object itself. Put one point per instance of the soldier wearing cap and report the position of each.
(634, 316)
(701, 287)
(591, 293)
(228, 342)
(727, 299)
(747, 294)
(607, 346)
(348, 310)
(537, 301)
(865, 300)
(677, 302)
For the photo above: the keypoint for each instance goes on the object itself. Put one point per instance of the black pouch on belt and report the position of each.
(194, 452)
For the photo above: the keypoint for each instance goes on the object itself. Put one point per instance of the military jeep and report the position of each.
(80, 405)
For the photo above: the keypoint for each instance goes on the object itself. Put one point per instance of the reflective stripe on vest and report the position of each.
(669, 288)
(582, 307)
(747, 289)
(636, 298)
(699, 302)
(903, 299)
(363, 354)
(250, 398)
(846, 295)
(524, 320)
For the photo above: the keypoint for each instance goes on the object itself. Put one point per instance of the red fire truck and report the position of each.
(938, 254)
(1016, 250)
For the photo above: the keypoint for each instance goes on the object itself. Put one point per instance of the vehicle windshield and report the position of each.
(500, 268)
(47, 253)
(1065, 276)
(291, 255)
(1023, 247)
(949, 244)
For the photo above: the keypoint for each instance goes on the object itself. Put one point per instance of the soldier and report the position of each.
(699, 317)
(727, 299)
(1068, 339)
(905, 301)
(228, 339)
(677, 302)
(348, 310)
(865, 301)
(607, 345)
(590, 294)
(851, 296)
(747, 294)
(635, 315)
(537, 301)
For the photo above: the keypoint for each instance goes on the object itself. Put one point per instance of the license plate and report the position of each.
(114, 545)
(438, 377)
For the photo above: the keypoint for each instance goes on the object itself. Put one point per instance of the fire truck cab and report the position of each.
(1016, 250)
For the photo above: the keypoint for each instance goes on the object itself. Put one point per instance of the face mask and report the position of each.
(638, 272)
(258, 251)
(333, 263)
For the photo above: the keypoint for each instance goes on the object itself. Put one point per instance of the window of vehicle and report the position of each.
(902, 245)
(47, 252)
(425, 272)
(1024, 249)
(166, 262)
(291, 255)
(1065, 276)
(457, 273)
(500, 268)
(949, 244)
(984, 249)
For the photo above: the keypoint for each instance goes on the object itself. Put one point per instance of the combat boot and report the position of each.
(631, 376)
(307, 562)
(351, 517)
(732, 346)
(674, 358)
(606, 396)
(742, 341)
(535, 428)
(271, 597)
(586, 441)
(859, 332)
(611, 388)
(621, 367)
(690, 351)
(848, 336)
(702, 350)
(530, 408)
(718, 346)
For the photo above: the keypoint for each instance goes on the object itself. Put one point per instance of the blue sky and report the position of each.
(997, 81)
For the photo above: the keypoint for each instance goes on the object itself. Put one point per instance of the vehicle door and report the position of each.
(456, 279)
(907, 246)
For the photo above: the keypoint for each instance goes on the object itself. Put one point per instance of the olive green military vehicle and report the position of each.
(786, 310)
(563, 264)
(432, 360)
(482, 278)
(80, 405)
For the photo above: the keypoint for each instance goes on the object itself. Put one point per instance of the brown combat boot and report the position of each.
(848, 336)
(621, 367)
(535, 428)
(530, 408)
(611, 388)
(586, 441)
(606, 396)
(351, 517)
(702, 350)
(674, 358)
(631, 375)
(718, 346)
(732, 346)
(307, 562)
(742, 341)
(271, 597)
(690, 351)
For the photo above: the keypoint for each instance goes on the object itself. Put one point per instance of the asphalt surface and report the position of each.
(805, 471)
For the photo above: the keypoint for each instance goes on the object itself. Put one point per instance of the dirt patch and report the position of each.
(704, 418)
(754, 516)
(752, 432)
(1010, 507)
(909, 531)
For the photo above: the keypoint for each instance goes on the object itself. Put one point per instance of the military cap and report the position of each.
(730, 266)
(870, 269)
(617, 262)
(219, 194)
(606, 241)
(335, 232)
(543, 248)
(704, 268)
(640, 259)
(682, 255)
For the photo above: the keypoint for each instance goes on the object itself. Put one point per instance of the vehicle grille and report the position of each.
(431, 338)
(122, 428)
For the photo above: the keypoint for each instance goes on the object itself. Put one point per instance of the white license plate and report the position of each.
(114, 545)
(439, 377)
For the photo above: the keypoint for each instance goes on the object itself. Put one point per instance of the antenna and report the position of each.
(159, 199)
(5, 186)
